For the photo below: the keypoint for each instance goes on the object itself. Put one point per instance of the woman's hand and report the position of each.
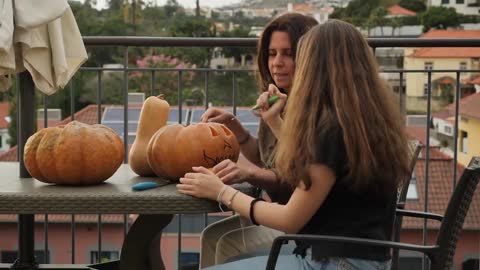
(202, 183)
(273, 112)
(231, 172)
(217, 115)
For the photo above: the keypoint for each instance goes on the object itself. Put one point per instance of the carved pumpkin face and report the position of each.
(175, 149)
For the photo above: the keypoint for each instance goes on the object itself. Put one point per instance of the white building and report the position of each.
(467, 7)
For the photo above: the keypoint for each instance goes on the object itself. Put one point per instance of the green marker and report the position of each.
(271, 100)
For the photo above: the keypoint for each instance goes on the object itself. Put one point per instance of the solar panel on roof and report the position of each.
(244, 115)
(116, 114)
(173, 116)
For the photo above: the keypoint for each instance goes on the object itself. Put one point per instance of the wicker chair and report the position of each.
(440, 254)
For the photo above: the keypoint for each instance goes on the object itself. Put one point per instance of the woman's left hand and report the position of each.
(202, 183)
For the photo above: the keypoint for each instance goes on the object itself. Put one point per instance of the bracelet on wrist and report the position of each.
(252, 215)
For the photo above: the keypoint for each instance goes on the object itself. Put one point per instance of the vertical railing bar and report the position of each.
(73, 238)
(125, 225)
(99, 97)
(179, 242)
(45, 222)
(25, 128)
(179, 233)
(455, 129)
(207, 73)
(179, 96)
(400, 93)
(152, 93)
(234, 99)
(125, 125)
(72, 117)
(427, 160)
(125, 104)
(72, 100)
(45, 111)
(99, 260)
(45, 230)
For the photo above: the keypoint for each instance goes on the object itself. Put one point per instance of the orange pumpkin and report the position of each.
(175, 149)
(73, 154)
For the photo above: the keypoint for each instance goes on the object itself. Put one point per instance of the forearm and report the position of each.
(248, 147)
(271, 215)
(275, 124)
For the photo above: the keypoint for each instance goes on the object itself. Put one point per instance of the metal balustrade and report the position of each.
(26, 101)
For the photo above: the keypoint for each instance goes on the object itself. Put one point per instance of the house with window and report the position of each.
(466, 7)
(435, 62)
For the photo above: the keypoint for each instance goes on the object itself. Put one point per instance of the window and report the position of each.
(1, 141)
(463, 65)
(463, 141)
(9, 256)
(189, 258)
(460, 1)
(428, 66)
(107, 256)
(445, 2)
(412, 193)
(447, 129)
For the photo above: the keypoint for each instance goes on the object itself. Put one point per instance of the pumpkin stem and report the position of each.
(161, 96)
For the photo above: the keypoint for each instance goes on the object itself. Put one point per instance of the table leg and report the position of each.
(141, 248)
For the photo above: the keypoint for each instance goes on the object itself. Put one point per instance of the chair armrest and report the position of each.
(409, 213)
(312, 239)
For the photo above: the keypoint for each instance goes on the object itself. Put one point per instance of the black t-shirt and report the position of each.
(365, 214)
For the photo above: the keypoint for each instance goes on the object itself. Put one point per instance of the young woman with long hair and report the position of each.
(343, 149)
(276, 67)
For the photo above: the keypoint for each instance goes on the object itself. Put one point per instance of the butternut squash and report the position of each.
(153, 116)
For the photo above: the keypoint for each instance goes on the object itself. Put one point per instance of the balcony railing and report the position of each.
(26, 105)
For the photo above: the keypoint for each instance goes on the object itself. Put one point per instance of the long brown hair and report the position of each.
(337, 81)
(296, 25)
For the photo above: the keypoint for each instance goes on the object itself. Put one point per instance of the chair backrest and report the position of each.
(414, 147)
(455, 215)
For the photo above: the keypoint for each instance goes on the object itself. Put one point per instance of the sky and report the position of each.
(187, 3)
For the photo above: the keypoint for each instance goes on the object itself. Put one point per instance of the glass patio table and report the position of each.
(156, 207)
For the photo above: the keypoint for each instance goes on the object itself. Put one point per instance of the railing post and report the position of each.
(25, 128)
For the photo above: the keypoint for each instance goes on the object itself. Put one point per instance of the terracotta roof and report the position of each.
(469, 106)
(398, 10)
(446, 52)
(303, 7)
(4, 111)
(440, 187)
(86, 115)
(473, 81)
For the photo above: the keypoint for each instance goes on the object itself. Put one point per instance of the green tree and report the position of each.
(413, 5)
(171, 8)
(187, 26)
(440, 18)
(237, 51)
(377, 17)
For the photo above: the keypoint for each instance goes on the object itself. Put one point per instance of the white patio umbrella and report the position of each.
(41, 37)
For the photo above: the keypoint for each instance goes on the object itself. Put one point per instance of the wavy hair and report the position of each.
(337, 81)
(296, 25)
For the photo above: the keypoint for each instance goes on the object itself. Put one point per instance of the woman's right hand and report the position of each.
(217, 115)
(231, 172)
